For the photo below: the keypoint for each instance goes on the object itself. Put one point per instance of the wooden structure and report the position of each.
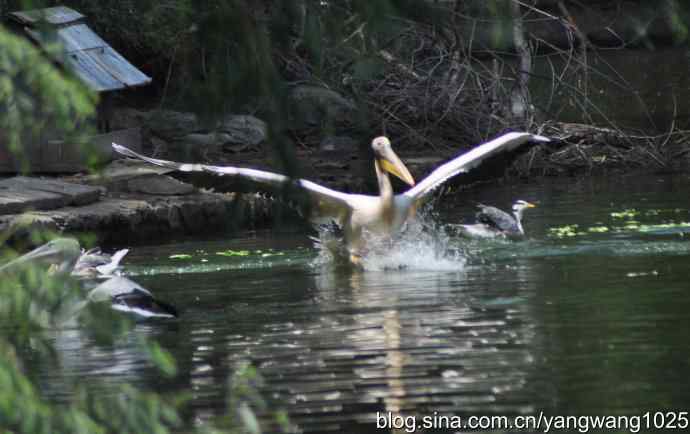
(94, 62)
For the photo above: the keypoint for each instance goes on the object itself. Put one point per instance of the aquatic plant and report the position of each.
(36, 303)
(565, 231)
(231, 252)
(629, 224)
(625, 214)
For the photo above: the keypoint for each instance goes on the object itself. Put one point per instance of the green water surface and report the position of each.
(596, 322)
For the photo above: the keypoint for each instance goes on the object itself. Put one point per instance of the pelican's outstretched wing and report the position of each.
(324, 202)
(469, 160)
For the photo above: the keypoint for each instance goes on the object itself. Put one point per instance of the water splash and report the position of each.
(421, 245)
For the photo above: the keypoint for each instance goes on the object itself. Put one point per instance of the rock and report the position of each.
(329, 166)
(159, 185)
(205, 139)
(192, 217)
(169, 124)
(21, 193)
(27, 225)
(315, 105)
(339, 144)
(196, 146)
(120, 220)
(159, 147)
(134, 217)
(13, 202)
(124, 169)
(174, 218)
(243, 130)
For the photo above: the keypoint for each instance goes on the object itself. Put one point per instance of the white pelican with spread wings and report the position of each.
(357, 214)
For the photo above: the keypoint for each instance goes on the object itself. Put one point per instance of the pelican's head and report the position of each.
(521, 205)
(62, 252)
(388, 161)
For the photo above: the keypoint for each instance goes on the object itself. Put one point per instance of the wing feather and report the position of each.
(327, 203)
(497, 218)
(469, 160)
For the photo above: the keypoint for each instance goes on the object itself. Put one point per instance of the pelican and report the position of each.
(358, 214)
(494, 223)
(63, 255)
(60, 253)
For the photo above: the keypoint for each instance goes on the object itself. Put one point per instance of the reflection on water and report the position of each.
(590, 324)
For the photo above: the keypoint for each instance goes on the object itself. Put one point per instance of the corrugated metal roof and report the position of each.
(57, 15)
(95, 62)
(79, 37)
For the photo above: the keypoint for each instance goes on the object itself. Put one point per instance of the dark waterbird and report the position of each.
(495, 223)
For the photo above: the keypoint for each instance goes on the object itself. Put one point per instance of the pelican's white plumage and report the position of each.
(357, 213)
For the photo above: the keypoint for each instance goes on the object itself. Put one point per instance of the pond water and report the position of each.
(590, 319)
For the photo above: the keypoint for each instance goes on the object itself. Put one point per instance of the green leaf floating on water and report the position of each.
(564, 231)
(625, 214)
(233, 253)
(649, 228)
(180, 256)
(599, 229)
(630, 226)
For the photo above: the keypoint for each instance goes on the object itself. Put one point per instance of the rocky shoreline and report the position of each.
(131, 206)
(130, 202)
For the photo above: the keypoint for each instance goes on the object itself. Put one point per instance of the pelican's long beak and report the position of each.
(392, 164)
(530, 205)
(47, 253)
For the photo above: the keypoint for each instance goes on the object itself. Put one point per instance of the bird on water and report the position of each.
(358, 214)
(495, 223)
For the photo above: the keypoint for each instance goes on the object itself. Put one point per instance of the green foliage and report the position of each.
(139, 27)
(160, 357)
(34, 300)
(246, 402)
(678, 16)
(36, 98)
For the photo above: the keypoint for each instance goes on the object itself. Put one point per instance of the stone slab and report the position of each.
(137, 218)
(124, 169)
(13, 201)
(159, 185)
(19, 194)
